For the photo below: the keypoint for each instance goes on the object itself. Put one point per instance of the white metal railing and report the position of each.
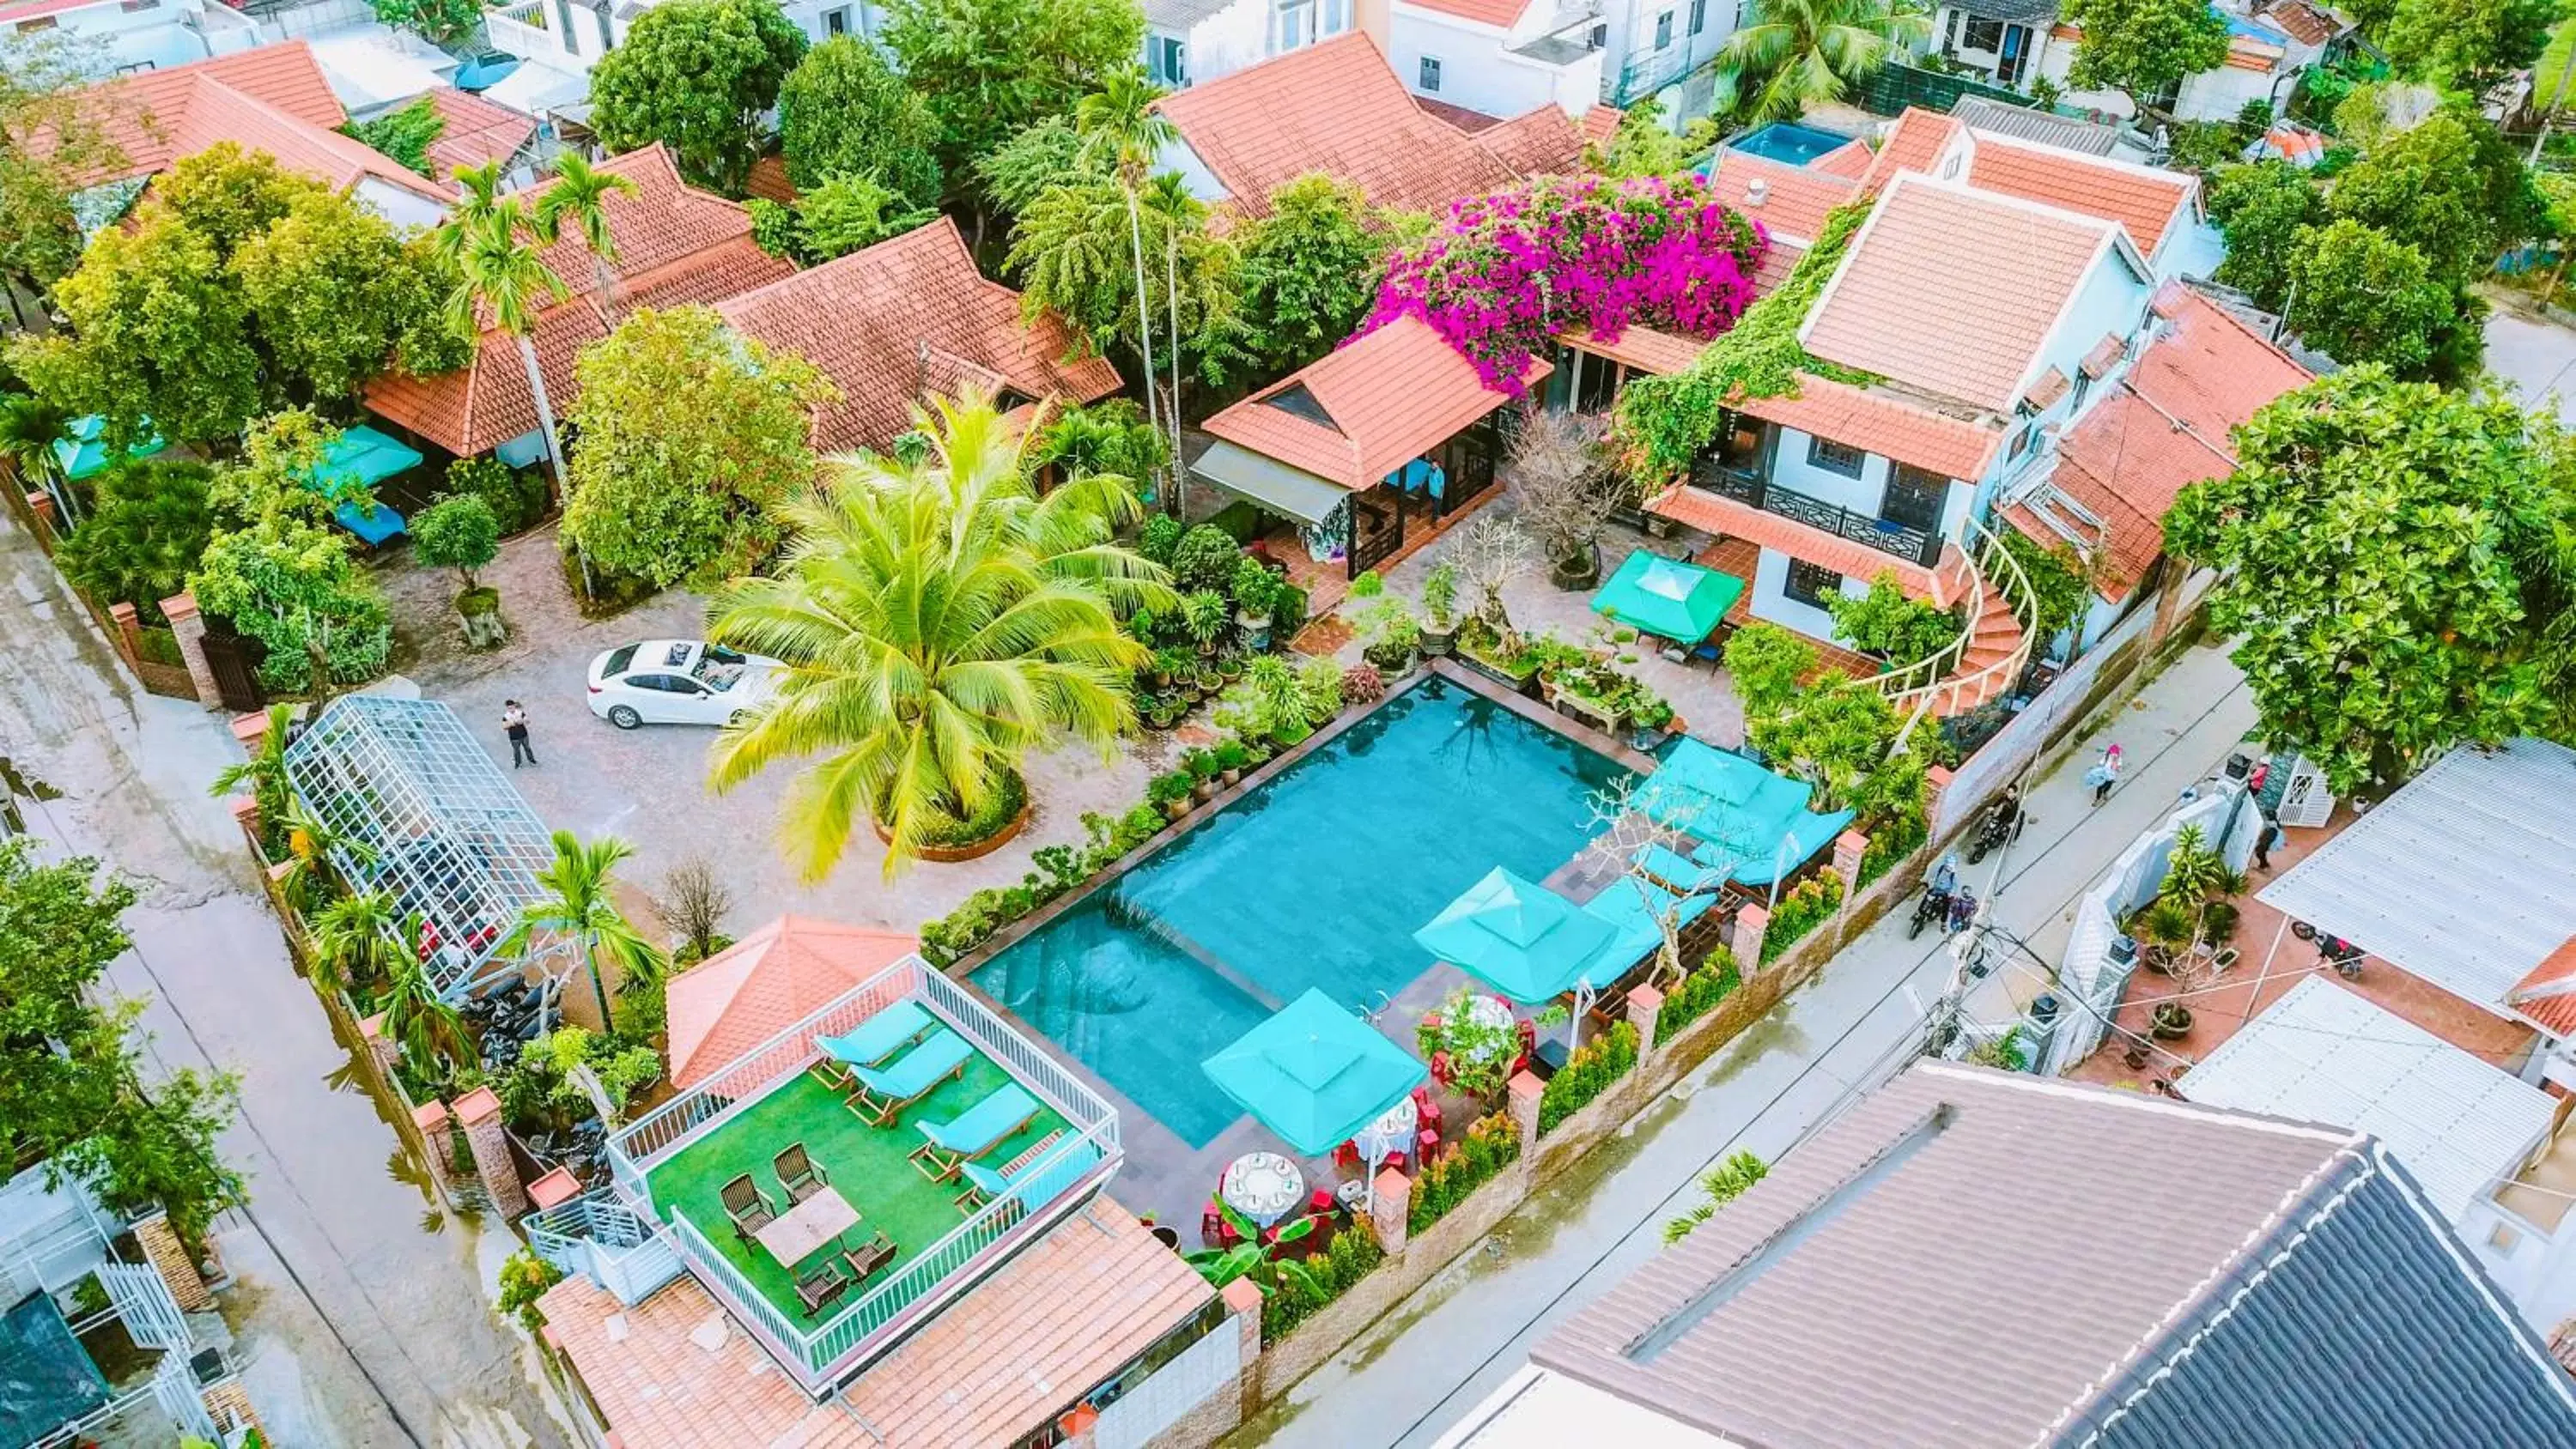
(602, 1239)
(1938, 682)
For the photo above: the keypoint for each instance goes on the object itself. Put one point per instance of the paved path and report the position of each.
(2535, 356)
(361, 1315)
(1425, 1365)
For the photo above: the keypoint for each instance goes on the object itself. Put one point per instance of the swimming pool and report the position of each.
(1788, 142)
(1319, 878)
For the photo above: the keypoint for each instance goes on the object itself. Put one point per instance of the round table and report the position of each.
(1263, 1186)
(1391, 1133)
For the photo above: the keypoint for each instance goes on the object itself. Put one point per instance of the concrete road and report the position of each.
(1425, 1365)
(361, 1313)
(2535, 355)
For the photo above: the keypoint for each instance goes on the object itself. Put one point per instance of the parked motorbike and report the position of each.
(1932, 905)
(2004, 822)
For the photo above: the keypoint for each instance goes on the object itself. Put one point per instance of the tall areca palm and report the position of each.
(499, 273)
(580, 195)
(1120, 128)
(264, 773)
(1798, 53)
(938, 620)
(353, 939)
(416, 1016)
(579, 908)
(311, 845)
(1168, 198)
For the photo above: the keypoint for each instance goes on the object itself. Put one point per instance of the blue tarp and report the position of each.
(83, 453)
(46, 1377)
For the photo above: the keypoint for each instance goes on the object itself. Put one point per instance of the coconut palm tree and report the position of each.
(1798, 53)
(500, 274)
(579, 907)
(1121, 129)
(264, 773)
(580, 195)
(353, 939)
(29, 427)
(416, 1016)
(938, 620)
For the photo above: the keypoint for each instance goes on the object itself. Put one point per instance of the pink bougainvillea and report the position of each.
(1503, 274)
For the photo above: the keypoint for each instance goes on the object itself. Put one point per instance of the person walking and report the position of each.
(514, 723)
(2105, 773)
(2271, 835)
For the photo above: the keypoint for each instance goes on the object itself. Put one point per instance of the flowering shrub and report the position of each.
(1503, 273)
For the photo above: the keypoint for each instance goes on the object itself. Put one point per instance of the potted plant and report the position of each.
(2166, 926)
(1171, 792)
(1200, 764)
(1203, 618)
(1255, 590)
(1168, 663)
(1232, 759)
(1393, 636)
(2170, 1021)
(1650, 721)
(1440, 609)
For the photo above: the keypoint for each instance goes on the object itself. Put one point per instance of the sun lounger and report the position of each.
(878, 1037)
(1034, 1177)
(972, 1133)
(883, 1093)
(1677, 872)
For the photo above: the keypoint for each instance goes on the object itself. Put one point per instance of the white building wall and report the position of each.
(1790, 469)
(168, 33)
(2214, 95)
(1770, 598)
(1633, 67)
(1478, 69)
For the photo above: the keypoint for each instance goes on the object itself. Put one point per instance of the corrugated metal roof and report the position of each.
(2326, 1054)
(2046, 127)
(2465, 877)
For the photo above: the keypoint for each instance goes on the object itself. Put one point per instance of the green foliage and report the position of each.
(2143, 48)
(1719, 1186)
(1665, 422)
(1160, 539)
(1074, 247)
(1645, 146)
(2004, 1053)
(517, 497)
(2389, 567)
(697, 76)
(990, 69)
(1206, 559)
(1801, 909)
(688, 433)
(1767, 662)
(1492, 1143)
(442, 22)
(2262, 208)
(1110, 437)
(1594, 1068)
(843, 112)
(525, 1277)
(158, 330)
(2361, 296)
(2060, 583)
(149, 523)
(1790, 55)
(1302, 1286)
(1310, 270)
(2205, 146)
(1697, 994)
(2451, 186)
(334, 292)
(1047, 154)
(72, 1089)
(228, 195)
(1886, 622)
(774, 228)
(280, 574)
(850, 213)
(2468, 45)
(1833, 733)
(405, 134)
(45, 89)
(456, 532)
(1319, 687)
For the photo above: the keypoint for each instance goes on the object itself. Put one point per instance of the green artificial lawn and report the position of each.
(865, 1164)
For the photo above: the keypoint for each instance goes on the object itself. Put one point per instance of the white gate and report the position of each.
(151, 1316)
(174, 1388)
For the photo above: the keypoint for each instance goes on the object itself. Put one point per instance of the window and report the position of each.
(1699, 16)
(1981, 34)
(1600, 36)
(571, 41)
(1834, 457)
(1165, 64)
(1296, 26)
(2083, 385)
(1664, 31)
(1914, 497)
(1430, 73)
(836, 22)
(2020, 445)
(40, 23)
(1812, 584)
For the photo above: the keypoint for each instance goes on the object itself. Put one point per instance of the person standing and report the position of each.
(2104, 774)
(514, 723)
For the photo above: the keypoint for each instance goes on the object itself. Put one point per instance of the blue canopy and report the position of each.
(84, 452)
(1752, 823)
(1524, 940)
(1669, 597)
(1314, 1073)
(357, 460)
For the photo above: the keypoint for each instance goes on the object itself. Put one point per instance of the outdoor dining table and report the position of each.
(1263, 1186)
(807, 1226)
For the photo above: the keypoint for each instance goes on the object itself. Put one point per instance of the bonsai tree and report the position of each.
(1566, 492)
(1488, 554)
(457, 532)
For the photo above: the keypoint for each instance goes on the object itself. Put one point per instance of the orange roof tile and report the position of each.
(1071, 1308)
(1885, 424)
(478, 131)
(1333, 108)
(730, 1003)
(1392, 396)
(2149, 203)
(1498, 13)
(1795, 199)
(1850, 159)
(769, 182)
(1459, 116)
(1903, 307)
(1643, 348)
(2548, 994)
(2302, 22)
(1543, 142)
(909, 315)
(675, 246)
(1917, 139)
(1714, 513)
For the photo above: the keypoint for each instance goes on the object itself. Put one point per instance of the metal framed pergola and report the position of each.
(445, 833)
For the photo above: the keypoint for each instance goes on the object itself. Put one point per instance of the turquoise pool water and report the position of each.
(1788, 142)
(1319, 878)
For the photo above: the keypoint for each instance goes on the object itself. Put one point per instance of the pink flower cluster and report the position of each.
(1503, 274)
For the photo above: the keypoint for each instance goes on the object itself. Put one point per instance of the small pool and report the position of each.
(1319, 878)
(1787, 142)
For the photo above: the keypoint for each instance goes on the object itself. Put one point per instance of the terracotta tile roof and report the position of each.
(1717, 514)
(1334, 108)
(1903, 307)
(1885, 424)
(675, 246)
(1913, 144)
(1850, 159)
(769, 182)
(1776, 265)
(1639, 347)
(1459, 116)
(1071, 1307)
(2303, 22)
(1794, 201)
(723, 1007)
(1500, 14)
(2548, 994)
(1392, 395)
(1543, 142)
(878, 321)
(477, 131)
(2149, 203)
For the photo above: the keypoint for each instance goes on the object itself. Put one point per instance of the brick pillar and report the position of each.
(170, 1259)
(1848, 849)
(230, 1408)
(479, 1112)
(1243, 1304)
(1936, 783)
(1644, 1002)
(431, 1119)
(250, 731)
(41, 503)
(554, 1189)
(383, 1050)
(245, 814)
(1390, 1214)
(181, 611)
(1523, 1093)
(129, 629)
(1750, 923)
(2168, 602)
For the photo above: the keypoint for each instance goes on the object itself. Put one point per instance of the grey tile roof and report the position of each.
(1983, 113)
(2019, 12)
(1973, 1259)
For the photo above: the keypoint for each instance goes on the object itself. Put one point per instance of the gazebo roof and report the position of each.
(767, 982)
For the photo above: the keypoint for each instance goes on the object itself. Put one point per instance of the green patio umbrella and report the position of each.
(1315, 1074)
(84, 451)
(360, 457)
(1522, 939)
(1667, 597)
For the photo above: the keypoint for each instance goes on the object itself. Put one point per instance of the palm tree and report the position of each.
(1168, 197)
(580, 195)
(1800, 53)
(938, 620)
(499, 272)
(29, 427)
(481, 188)
(311, 844)
(416, 1016)
(353, 939)
(1120, 128)
(580, 907)
(264, 773)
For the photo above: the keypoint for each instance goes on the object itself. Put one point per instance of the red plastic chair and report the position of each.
(1426, 1111)
(1398, 1161)
(1213, 1226)
(1321, 1203)
(1440, 1068)
(1346, 1156)
(1429, 1143)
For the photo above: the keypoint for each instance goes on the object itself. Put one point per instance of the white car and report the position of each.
(677, 681)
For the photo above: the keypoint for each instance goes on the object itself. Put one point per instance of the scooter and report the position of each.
(1932, 905)
(2004, 822)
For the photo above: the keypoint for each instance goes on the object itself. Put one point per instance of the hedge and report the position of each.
(1587, 1074)
(1490, 1145)
(1805, 907)
(1698, 994)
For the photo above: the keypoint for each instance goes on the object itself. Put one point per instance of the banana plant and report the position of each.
(1261, 1263)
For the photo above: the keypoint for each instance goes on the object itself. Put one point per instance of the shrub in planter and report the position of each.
(1492, 1143)
(1697, 994)
(1002, 805)
(1320, 687)
(2170, 1021)
(1801, 909)
(517, 498)
(1362, 684)
(1393, 636)
(1160, 538)
(1205, 558)
(1171, 793)
(1287, 613)
(1231, 761)
(1593, 1068)
(1201, 766)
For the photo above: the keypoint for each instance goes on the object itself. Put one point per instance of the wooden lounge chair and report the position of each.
(972, 1133)
(865, 1259)
(747, 1207)
(883, 1093)
(797, 1174)
(821, 1286)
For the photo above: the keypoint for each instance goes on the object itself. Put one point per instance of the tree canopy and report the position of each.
(841, 216)
(990, 69)
(1310, 269)
(2143, 48)
(2262, 208)
(1071, 250)
(1789, 55)
(688, 433)
(42, 80)
(697, 76)
(2467, 44)
(440, 21)
(278, 569)
(2393, 558)
(2450, 186)
(2359, 296)
(146, 530)
(844, 112)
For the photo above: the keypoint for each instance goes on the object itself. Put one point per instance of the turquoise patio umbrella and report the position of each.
(1522, 939)
(1666, 597)
(84, 452)
(359, 459)
(1315, 1074)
